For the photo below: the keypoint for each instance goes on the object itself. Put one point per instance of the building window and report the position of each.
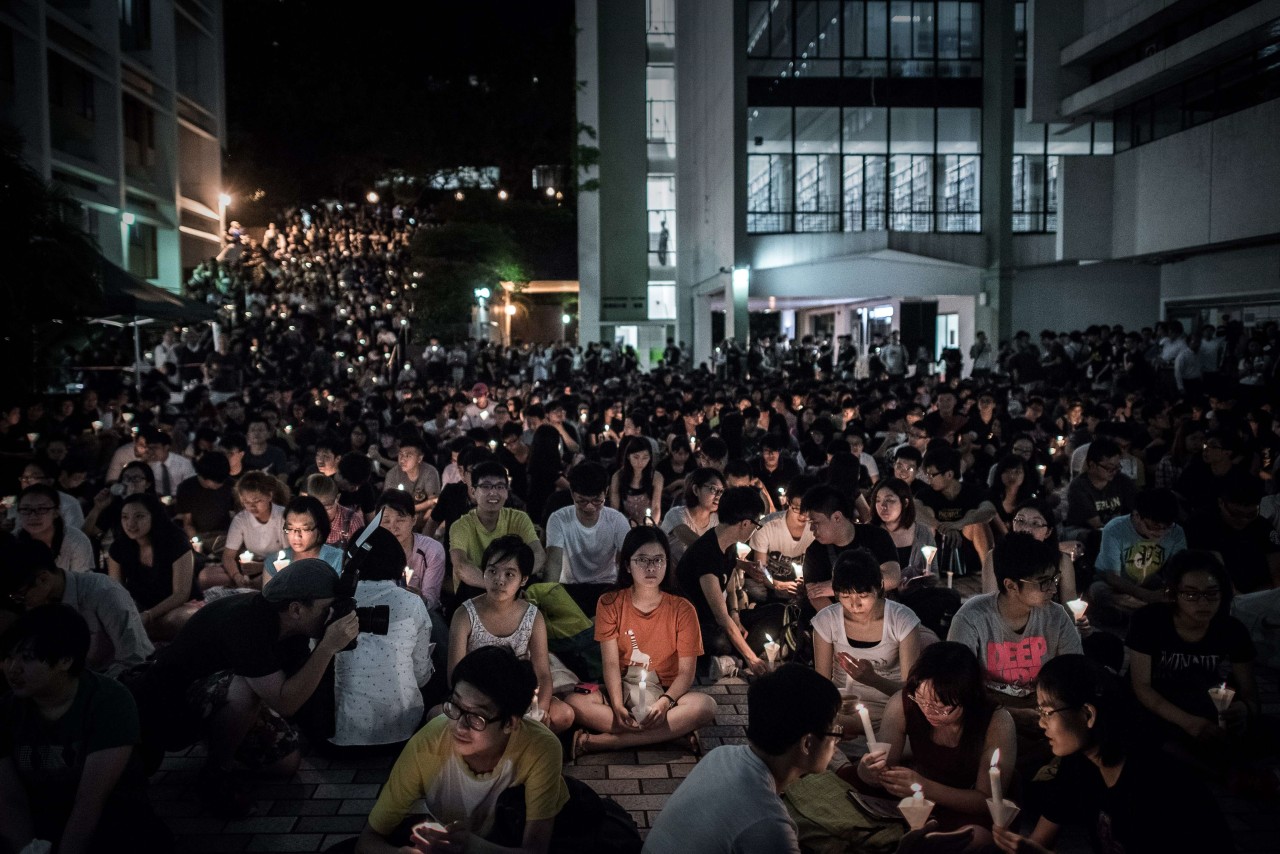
(144, 260)
(135, 24)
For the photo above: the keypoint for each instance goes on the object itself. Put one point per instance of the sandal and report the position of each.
(695, 743)
(579, 745)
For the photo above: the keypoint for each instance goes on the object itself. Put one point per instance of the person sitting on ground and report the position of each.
(68, 771)
(894, 509)
(257, 529)
(636, 487)
(345, 523)
(413, 475)
(707, 576)
(834, 531)
(1246, 543)
(463, 763)
(169, 468)
(117, 638)
(864, 643)
(306, 530)
(1127, 796)
(155, 563)
(500, 617)
(377, 686)
(425, 560)
(471, 535)
(645, 632)
(136, 477)
(40, 520)
(224, 678)
(1135, 549)
(1015, 631)
(585, 538)
(731, 802)
(1099, 494)
(1037, 518)
(780, 544)
(959, 510)
(952, 729)
(686, 523)
(1180, 649)
(205, 503)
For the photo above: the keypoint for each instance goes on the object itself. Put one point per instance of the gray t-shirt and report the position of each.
(1012, 660)
(727, 805)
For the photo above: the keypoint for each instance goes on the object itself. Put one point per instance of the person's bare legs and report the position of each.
(696, 710)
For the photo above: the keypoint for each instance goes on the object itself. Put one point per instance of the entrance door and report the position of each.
(918, 325)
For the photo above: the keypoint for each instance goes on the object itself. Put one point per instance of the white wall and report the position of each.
(1241, 272)
(1070, 297)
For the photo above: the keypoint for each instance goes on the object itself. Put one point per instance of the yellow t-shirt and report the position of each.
(471, 537)
(429, 770)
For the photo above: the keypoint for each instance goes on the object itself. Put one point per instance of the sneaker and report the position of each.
(723, 666)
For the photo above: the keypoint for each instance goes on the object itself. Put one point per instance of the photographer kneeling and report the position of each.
(224, 677)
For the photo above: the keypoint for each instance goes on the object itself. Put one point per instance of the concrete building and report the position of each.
(121, 104)
(836, 164)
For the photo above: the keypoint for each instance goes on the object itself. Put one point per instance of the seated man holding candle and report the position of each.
(1135, 548)
(583, 539)
(834, 531)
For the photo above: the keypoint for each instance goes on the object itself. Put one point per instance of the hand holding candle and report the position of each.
(771, 649)
(1002, 812)
(246, 556)
(1078, 607)
(196, 545)
(997, 791)
(916, 809)
(641, 710)
(798, 568)
(929, 552)
(744, 551)
(865, 715)
(281, 561)
(1222, 697)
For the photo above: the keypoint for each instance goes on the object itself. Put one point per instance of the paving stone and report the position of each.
(615, 787)
(659, 787)
(357, 806)
(586, 772)
(681, 771)
(177, 808)
(626, 757)
(261, 824)
(313, 807)
(641, 802)
(639, 817)
(347, 790)
(653, 757)
(181, 763)
(731, 720)
(721, 730)
(334, 838)
(331, 824)
(326, 775)
(286, 842)
(284, 791)
(622, 772)
(372, 775)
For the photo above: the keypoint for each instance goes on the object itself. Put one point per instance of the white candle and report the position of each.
(246, 556)
(771, 648)
(1221, 696)
(744, 551)
(917, 791)
(31, 437)
(281, 561)
(929, 552)
(1078, 607)
(951, 578)
(97, 425)
(642, 697)
(408, 577)
(648, 514)
(400, 487)
(798, 568)
(196, 544)
(997, 793)
(866, 724)
(127, 416)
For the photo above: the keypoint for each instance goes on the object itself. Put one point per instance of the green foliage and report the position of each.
(454, 260)
(585, 158)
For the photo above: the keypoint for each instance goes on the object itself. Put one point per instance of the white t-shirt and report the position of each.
(264, 540)
(774, 537)
(899, 621)
(590, 553)
(77, 552)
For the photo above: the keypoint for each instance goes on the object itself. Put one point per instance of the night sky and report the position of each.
(326, 95)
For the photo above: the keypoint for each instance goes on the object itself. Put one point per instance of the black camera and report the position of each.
(377, 619)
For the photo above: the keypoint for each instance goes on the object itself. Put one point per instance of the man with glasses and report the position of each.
(117, 639)
(1099, 494)
(1233, 528)
(1015, 630)
(1134, 550)
(954, 506)
(583, 539)
(491, 518)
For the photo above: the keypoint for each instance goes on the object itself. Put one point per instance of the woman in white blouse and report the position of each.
(863, 643)
(684, 524)
(377, 686)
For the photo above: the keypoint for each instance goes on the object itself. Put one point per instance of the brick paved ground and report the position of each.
(327, 800)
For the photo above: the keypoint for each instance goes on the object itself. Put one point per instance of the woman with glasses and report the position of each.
(306, 534)
(1180, 649)
(683, 525)
(1125, 795)
(952, 729)
(152, 558)
(864, 643)
(1036, 518)
(462, 763)
(40, 519)
(894, 509)
(45, 471)
(501, 617)
(645, 633)
(136, 478)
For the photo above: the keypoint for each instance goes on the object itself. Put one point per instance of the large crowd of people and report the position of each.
(1050, 572)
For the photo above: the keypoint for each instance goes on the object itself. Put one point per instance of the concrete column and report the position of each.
(994, 311)
(701, 341)
(738, 320)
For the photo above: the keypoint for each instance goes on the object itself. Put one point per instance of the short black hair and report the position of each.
(1073, 680)
(24, 559)
(786, 705)
(234, 442)
(489, 468)
(311, 506)
(1101, 449)
(714, 448)
(413, 440)
(1157, 505)
(214, 466)
(588, 479)
(397, 499)
(738, 504)
(944, 460)
(828, 501)
(1019, 556)
(50, 633)
(496, 672)
(510, 546)
(857, 571)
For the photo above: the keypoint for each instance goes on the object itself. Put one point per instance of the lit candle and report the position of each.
(97, 425)
(196, 544)
(642, 696)
(32, 437)
(648, 514)
(916, 809)
(127, 416)
(493, 445)
(917, 791)
(281, 561)
(798, 568)
(997, 793)
(1221, 696)
(771, 649)
(929, 552)
(744, 551)
(408, 577)
(400, 487)
(1078, 607)
(866, 724)
(246, 556)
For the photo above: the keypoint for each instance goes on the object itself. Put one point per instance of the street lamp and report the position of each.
(482, 318)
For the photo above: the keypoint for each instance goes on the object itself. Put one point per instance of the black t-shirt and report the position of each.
(272, 460)
(149, 585)
(781, 476)
(971, 494)
(1244, 552)
(240, 633)
(819, 558)
(1156, 805)
(210, 509)
(1182, 671)
(704, 557)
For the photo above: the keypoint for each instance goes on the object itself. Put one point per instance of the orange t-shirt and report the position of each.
(666, 634)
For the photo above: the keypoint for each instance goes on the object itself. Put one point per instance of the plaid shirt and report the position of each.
(344, 523)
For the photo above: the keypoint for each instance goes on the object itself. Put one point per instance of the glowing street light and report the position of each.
(224, 200)
(565, 319)
(482, 293)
